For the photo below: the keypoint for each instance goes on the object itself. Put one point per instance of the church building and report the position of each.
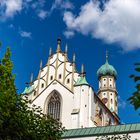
(63, 92)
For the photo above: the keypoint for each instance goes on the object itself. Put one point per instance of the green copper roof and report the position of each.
(106, 69)
(81, 81)
(102, 130)
(28, 90)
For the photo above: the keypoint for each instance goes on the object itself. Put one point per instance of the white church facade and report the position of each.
(63, 92)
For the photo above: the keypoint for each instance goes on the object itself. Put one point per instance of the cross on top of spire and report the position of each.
(106, 55)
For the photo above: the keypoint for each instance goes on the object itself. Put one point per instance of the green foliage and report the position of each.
(17, 120)
(135, 98)
(115, 137)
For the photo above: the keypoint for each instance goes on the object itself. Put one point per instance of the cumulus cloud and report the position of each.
(25, 34)
(8, 8)
(116, 22)
(42, 14)
(69, 34)
(61, 4)
(39, 7)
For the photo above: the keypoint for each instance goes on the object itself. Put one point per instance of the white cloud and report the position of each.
(8, 8)
(38, 4)
(67, 5)
(61, 4)
(69, 34)
(25, 34)
(121, 103)
(118, 22)
(42, 14)
(39, 7)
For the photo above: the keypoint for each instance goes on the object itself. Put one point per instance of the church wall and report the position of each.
(92, 108)
(67, 102)
(77, 97)
(61, 57)
(75, 121)
(60, 72)
(53, 59)
(84, 100)
(103, 116)
(84, 107)
(51, 74)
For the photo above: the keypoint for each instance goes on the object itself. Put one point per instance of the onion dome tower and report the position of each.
(107, 85)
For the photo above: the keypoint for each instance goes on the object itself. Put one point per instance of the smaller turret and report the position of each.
(58, 45)
(82, 93)
(82, 79)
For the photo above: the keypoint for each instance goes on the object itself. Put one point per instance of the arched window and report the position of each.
(54, 105)
(51, 78)
(100, 113)
(60, 76)
(68, 81)
(111, 101)
(101, 116)
(109, 123)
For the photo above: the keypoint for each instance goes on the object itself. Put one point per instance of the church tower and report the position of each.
(107, 86)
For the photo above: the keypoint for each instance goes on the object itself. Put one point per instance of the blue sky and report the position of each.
(89, 27)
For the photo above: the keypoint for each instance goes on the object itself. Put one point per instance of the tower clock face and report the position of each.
(104, 100)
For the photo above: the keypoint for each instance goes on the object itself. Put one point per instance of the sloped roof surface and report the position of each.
(104, 130)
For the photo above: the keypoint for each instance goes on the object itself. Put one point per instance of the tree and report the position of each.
(17, 120)
(115, 137)
(135, 98)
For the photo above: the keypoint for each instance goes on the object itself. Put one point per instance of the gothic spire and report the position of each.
(50, 52)
(74, 57)
(82, 70)
(58, 45)
(106, 55)
(66, 48)
(40, 64)
(31, 79)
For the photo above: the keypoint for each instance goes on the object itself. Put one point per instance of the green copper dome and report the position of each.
(81, 81)
(28, 90)
(106, 69)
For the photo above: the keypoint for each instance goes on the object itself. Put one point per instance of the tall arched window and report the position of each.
(100, 113)
(54, 105)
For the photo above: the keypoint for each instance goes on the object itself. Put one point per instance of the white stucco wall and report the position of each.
(67, 102)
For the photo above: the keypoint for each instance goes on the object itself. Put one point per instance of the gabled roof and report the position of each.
(102, 130)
